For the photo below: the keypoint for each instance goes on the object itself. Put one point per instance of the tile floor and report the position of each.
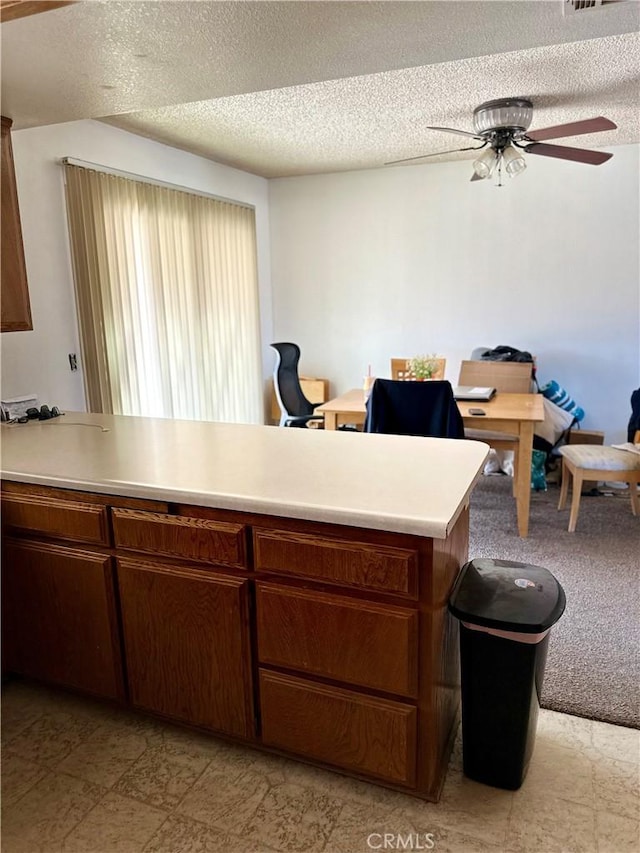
(80, 776)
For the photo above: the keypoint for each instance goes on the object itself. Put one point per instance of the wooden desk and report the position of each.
(512, 413)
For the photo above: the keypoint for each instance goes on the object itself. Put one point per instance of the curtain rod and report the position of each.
(120, 173)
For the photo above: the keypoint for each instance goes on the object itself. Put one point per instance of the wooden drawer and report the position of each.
(375, 567)
(357, 642)
(180, 536)
(73, 520)
(375, 737)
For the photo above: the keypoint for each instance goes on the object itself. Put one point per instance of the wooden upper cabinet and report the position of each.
(14, 302)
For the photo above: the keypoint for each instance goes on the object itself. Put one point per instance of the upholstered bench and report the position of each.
(592, 462)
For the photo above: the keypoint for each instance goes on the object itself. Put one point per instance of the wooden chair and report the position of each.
(508, 377)
(582, 462)
(401, 369)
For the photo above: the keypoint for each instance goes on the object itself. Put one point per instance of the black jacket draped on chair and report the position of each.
(413, 408)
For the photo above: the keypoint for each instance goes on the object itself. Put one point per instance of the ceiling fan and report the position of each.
(503, 126)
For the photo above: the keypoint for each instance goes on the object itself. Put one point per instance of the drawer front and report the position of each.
(371, 736)
(73, 520)
(375, 567)
(352, 641)
(180, 536)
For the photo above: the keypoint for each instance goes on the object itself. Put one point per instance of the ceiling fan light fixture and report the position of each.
(485, 164)
(514, 162)
(513, 113)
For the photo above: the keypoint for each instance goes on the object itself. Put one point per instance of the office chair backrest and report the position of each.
(413, 408)
(634, 421)
(512, 377)
(401, 368)
(286, 382)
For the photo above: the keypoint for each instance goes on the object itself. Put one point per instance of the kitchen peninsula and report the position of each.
(286, 588)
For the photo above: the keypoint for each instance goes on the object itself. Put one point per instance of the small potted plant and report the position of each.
(423, 366)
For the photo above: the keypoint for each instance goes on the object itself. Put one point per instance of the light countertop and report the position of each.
(385, 482)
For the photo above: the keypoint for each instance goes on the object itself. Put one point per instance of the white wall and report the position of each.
(373, 264)
(399, 261)
(37, 361)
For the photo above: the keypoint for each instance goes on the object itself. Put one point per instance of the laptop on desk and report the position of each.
(473, 393)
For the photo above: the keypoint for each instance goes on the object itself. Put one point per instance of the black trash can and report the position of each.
(506, 610)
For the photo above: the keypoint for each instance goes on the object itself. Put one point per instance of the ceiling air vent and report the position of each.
(570, 7)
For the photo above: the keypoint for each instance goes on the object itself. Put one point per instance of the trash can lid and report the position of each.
(508, 596)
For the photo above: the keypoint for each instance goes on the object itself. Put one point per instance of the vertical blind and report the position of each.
(167, 294)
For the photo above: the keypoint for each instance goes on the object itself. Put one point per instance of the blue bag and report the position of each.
(560, 396)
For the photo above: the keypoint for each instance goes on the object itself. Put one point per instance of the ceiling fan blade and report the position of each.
(579, 155)
(574, 128)
(435, 154)
(453, 130)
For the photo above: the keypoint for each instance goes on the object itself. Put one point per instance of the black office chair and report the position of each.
(295, 409)
(413, 408)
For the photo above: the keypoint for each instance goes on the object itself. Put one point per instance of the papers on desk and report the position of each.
(16, 407)
(473, 392)
(628, 445)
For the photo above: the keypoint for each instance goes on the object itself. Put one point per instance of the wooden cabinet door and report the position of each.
(14, 301)
(186, 639)
(59, 617)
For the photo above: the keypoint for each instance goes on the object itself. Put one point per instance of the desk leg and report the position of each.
(330, 420)
(523, 482)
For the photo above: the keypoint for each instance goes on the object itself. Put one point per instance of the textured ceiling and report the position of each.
(305, 87)
(359, 122)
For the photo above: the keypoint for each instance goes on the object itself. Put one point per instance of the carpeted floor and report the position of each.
(593, 667)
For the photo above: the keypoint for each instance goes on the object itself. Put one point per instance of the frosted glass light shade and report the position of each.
(514, 162)
(509, 112)
(485, 164)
